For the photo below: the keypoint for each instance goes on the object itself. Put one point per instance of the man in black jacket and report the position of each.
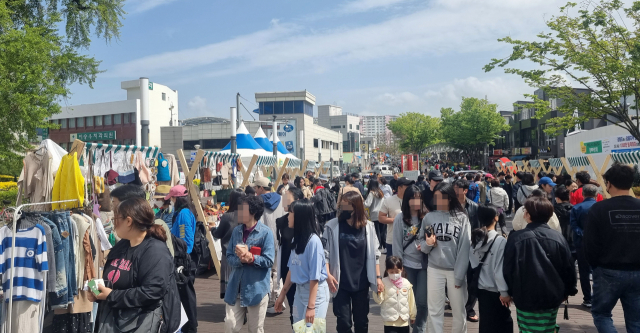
(611, 246)
(538, 268)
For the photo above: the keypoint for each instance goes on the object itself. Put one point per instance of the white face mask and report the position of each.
(395, 277)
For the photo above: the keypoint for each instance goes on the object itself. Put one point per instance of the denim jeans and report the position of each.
(418, 278)
(610, 285)
(58, 249)
(301, 301)
(67, 259)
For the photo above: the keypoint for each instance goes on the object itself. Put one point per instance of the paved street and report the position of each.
(211, 314)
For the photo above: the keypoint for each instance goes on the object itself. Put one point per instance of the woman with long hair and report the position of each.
(140, 290)
(223, 231)
(447, 242)
(299, 182)
(375, 197)
(406, 234)
(307, 267)
(184, 216)
(352, 254)
(284, 236)
(487, 246)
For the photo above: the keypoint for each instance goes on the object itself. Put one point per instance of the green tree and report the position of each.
(596, 46)
(477, 124)
(415, 131)
(39, 62)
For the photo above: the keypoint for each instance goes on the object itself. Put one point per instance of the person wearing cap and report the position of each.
(546, 184)
(184, 219)
(273, 209)
(391, 207)
(435, 177)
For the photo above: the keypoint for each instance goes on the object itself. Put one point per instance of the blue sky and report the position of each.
(368, 56)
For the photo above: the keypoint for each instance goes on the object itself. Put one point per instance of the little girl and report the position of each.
(397, 305)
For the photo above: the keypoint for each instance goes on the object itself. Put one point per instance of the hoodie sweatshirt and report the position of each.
(272, 210)
(491, 278)
(453, 234)
(524, 192)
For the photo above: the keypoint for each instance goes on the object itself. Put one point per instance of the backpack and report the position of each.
(473, 191)
(182, 259)
(200, 254)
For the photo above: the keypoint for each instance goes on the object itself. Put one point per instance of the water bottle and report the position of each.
(309, 328)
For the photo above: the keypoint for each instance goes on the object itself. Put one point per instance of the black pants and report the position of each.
(393, 329)
(584, 270)
(351, 303)
(188, 300)
(494, 317)
(471, 299)
(381, 232)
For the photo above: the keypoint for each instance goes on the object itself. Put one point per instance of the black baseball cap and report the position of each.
(403, 181)
(435, 175)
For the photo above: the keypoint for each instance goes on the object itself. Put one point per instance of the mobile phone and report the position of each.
(93, 285)
(429, 230)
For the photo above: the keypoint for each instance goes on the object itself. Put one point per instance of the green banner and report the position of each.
(594, 147)
(93, 136)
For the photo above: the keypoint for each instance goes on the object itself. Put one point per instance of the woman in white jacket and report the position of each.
(499, 200)
(493, 292)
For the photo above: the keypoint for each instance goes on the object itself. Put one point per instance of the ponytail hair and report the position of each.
(142, 216)
(486, 217)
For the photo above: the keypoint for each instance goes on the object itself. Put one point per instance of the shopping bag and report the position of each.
(319, 326)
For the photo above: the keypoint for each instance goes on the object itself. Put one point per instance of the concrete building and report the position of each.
(332, 117)
(300, 135)
(118, 122)
(376, 126)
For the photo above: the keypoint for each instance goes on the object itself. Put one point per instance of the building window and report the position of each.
(126, 118)
(107, 120)
(278, 107)
(342, 126)
(117, 119)
(336, 126)
(350, 126)
(358, 127)
(315, 143)
(89, 121)
(72, 122)
(80, 122)
(288, 107)
(164, 96)
(133, 118)
(190, 145)
(98, 120)
(63, 123)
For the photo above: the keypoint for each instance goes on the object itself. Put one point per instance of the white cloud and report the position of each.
(397, 98)
(198, 106)
(145, 5)
(359, 6)
(444, 27)
(498, 90)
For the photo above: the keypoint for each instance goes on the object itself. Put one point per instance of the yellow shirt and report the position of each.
(69, 183)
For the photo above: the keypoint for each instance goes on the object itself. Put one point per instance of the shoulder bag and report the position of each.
(472, 285)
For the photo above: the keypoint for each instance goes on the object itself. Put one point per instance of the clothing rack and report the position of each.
(17, 213)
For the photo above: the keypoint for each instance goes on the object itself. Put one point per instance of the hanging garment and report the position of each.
(31, 253)
(143, 171)
(163, 169)
(25, 317)
(68, 184)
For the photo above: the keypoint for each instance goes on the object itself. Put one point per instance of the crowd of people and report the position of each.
(313, 241)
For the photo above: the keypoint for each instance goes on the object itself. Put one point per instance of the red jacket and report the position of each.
(576, 197)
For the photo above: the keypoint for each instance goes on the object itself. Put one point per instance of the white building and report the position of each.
(376, 126)
(118, 122)
(332, 117)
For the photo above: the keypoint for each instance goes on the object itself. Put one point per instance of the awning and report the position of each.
(519, 157)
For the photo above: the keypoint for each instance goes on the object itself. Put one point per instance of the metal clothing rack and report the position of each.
(17, 212)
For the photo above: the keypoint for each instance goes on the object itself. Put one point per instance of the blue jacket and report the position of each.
(578, 220)
(252, 280)
(184, 227)
(473, 186)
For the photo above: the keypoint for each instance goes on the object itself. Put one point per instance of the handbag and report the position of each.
(319, 326)
(472, 285)
(425, 257)
(132, 320)
(163, 169)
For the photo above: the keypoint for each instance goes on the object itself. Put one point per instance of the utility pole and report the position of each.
(238, 109)
(331, 161)
(274, 130)
(234, 147)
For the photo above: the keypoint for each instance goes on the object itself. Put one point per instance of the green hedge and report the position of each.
(10, 195)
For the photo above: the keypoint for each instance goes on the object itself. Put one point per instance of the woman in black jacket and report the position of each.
(223, 231)
(140, 292)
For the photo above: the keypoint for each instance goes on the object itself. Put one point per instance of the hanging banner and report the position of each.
(288, 135)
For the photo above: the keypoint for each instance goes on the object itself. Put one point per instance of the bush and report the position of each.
(10, 195)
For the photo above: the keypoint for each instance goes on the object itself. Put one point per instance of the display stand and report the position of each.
(16, 216)
(555, 165)
(534, 165)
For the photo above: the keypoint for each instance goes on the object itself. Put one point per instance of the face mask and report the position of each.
(395, 277)
(345, 215)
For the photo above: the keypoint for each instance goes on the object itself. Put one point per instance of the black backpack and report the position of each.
(200, 254)
(182, 259)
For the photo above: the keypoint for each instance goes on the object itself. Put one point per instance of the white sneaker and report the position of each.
(271, 310)
(383, 251)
